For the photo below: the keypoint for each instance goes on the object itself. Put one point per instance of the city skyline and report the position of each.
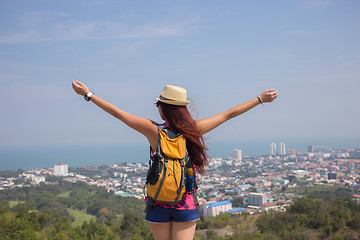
(99, 155)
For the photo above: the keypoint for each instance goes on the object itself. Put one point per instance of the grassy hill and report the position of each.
(80, 217)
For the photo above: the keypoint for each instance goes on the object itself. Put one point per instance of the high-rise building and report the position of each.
(322, 148)
(272, 149)
(256, 199)
(331, 175)
(311, 148)
(282, 149)
(61, 169)
(352, 168)
(237, 154)
(292, 151)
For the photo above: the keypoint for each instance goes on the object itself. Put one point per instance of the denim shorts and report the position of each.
(160, 214)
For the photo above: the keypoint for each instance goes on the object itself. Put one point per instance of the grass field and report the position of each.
(15, 203)
(80, 217)
(325, 192)
(307, 190)
(64, 194)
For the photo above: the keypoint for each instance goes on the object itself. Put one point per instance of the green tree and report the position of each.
(133, 227)
(238, 202)
(20, 229)
(212, 235)
(96, 231)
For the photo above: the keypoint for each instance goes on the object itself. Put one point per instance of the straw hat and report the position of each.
(173, 95)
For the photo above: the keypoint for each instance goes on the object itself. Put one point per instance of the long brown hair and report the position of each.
(179, 118)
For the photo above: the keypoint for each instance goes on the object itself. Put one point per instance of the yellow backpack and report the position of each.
(168, 168)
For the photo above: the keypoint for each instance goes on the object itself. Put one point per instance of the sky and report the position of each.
(223, 53)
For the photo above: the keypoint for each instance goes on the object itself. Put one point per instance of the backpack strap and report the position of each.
(150, 202)
(158, 149)
(162, 179)
(149, 205)
(198, 205)
(181, 185)
(196, 198)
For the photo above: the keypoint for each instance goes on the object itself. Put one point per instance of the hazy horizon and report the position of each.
(86, 155)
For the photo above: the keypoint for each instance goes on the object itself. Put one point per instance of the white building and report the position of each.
(257, 199)
(278, 206)
(37, 179)
(61, 169)
(215, 208)
(282, 149)
(237, 154)
(300, 173)
(340, 155)
(272, 149)
(215, 162)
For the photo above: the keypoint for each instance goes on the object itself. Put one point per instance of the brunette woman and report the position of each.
(176, 222)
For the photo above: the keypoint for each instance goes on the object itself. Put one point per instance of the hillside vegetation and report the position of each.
(80, 211)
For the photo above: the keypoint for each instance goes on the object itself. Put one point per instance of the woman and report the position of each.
(177, 222)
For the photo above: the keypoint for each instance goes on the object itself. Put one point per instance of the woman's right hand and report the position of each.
(80, 88)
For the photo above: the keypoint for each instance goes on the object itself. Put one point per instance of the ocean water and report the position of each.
(77, 156)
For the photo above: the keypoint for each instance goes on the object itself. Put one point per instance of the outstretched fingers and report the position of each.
(269, 95)
(274, 94)
(80, 83)
(79, 87)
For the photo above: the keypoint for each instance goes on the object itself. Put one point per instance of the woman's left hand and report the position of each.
(80, 88)
(269, 95)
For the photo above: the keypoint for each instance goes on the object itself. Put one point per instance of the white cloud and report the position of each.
(43, 27)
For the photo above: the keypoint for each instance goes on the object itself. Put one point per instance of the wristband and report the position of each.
(260, 100)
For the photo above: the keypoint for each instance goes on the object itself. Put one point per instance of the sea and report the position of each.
(35, 157)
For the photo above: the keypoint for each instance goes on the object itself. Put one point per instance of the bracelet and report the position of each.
(260, 100)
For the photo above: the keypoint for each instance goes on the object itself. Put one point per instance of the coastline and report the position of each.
(12, 158)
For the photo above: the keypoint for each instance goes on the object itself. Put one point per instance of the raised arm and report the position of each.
(207, 124)
(142, 125)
